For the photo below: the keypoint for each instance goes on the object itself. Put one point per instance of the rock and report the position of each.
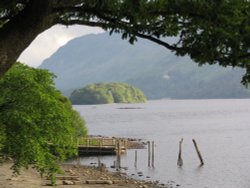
(73, 174)
(67, 182)
(13, 179)
(109, 182)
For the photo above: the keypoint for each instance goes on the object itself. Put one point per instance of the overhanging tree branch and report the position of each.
(158, 41)
(209, 32)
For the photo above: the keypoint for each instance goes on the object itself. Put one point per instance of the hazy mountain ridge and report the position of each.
(152, 68)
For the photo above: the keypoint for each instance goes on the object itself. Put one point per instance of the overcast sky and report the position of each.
(49, 41)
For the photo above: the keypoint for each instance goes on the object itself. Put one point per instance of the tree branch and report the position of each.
(158, 41)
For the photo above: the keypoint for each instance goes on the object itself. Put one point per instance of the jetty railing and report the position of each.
(101, 146)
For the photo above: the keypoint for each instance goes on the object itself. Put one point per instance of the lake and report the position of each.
(220, 127)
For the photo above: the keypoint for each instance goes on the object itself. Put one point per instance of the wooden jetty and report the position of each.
(100, 146)
(96, 150)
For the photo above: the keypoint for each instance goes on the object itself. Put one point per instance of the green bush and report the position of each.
(34, 115)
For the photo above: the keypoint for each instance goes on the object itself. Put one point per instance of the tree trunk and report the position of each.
(20, 31)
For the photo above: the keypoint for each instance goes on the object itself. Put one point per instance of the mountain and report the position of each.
(148, 66)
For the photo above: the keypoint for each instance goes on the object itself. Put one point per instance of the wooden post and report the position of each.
(99, 162)
(100, 147)
(153, 153)
(118, 153)
(198, 152)
(149, 153)
(124, 145)
(180, 161)
(135, 164)
(88, 142)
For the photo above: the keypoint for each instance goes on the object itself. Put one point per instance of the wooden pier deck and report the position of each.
(100, 146)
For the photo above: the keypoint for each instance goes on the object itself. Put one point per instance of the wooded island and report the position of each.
(104, 93)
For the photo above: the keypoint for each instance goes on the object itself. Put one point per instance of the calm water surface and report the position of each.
(220, 127)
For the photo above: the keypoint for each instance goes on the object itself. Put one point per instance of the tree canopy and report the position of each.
(104, 93)
(213, 31)
(34, 117)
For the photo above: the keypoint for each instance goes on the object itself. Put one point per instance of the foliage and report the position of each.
(214, 31)
(33, 116)
(102, 93)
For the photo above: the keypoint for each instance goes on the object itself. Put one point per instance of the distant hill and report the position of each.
(150, 67)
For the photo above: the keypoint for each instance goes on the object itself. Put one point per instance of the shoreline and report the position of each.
(76, 175)
(73, 176)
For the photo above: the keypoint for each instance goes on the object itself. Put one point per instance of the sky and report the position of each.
(49, 41)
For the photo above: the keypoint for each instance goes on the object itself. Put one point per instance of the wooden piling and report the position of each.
(126, 144)
(149, 154)
(179, 160)
(99, 162)
(135, 164)
(118, 153)
(198, 152)
(153, 153)
(88, 142)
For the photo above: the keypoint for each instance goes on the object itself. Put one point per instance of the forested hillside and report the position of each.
(157, 72)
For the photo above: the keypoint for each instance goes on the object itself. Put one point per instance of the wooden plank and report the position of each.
(109, 182)
(68, 178)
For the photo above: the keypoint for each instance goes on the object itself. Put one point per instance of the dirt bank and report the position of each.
(83, 177)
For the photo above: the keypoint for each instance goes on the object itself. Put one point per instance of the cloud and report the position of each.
(49, 41)
(166, 77)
